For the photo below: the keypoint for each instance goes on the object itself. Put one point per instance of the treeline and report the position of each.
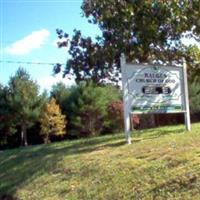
(86, 109)
(28, 117)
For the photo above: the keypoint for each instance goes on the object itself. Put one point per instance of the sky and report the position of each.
(28, 34)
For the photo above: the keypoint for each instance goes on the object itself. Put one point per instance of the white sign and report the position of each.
(154, 89)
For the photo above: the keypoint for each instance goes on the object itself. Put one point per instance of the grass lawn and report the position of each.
(162, 163)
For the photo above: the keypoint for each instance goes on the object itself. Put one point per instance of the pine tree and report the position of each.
(6, 117)
(194, 96)
(52, 121)
(25, 102)
(61, 93)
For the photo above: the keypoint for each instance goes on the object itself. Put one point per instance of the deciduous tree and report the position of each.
(145, 30)
(52, 121)
(116, 116)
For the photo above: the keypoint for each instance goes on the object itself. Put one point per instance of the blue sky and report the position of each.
(27, 34)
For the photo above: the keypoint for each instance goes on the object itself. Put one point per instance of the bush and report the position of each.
(115, 116)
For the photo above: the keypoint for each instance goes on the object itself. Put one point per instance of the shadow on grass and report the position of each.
(21, 166)
(156, 133)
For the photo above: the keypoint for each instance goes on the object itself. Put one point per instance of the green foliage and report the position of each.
(192, 55)
(87, 107)
(162, 163)
(194, 97)
(25, 101)
(52, 121)
(6, 118)
(61, 93)
(146, 31)
(24, 97)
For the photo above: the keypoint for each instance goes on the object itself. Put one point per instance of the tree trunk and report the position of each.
(24, 135)
(47, 140)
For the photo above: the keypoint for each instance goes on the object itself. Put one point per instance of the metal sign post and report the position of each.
(187, 107)
(127, 121)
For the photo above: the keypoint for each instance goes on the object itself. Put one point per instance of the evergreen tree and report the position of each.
(6, 118)
(52, 121)
(194, 97)
(25, 101)
(61, 93)
(87, 108)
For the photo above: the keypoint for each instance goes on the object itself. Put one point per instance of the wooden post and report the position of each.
(186, 95)
(127, 122)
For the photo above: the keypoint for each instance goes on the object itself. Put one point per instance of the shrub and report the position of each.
(115, 116)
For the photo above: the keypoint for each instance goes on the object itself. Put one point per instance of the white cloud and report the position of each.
(33, 41)
(48, 81)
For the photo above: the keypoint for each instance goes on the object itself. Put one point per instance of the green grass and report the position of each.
(162, 163)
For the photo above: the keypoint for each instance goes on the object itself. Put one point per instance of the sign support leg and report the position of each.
(187, 121)
(187, 107)
(127, 123)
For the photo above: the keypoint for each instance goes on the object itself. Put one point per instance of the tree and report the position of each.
(115, 115)
(194, 97)
(61, 93)
(6, 118)
(192, 55)
(25, 101)
(52, 121)
(87, 108)
(146, 31)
